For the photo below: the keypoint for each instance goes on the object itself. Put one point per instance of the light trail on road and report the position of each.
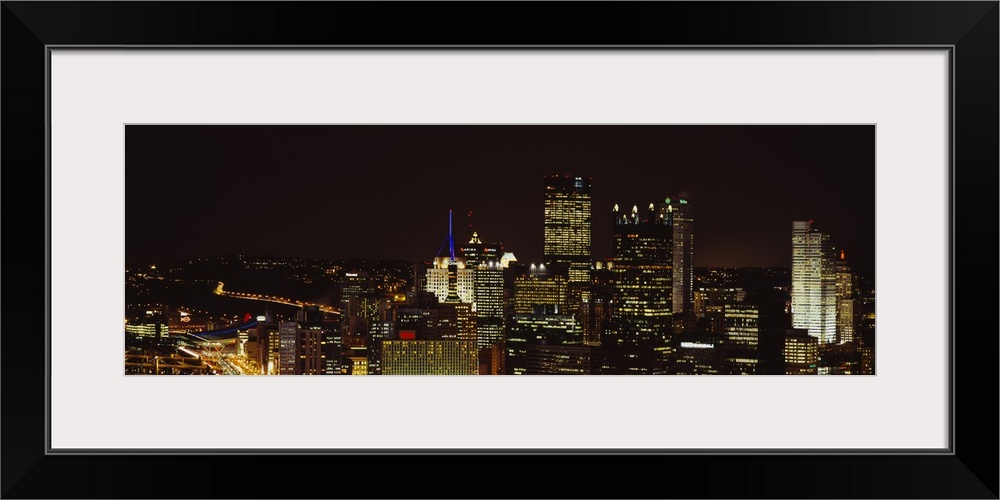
(220, 290)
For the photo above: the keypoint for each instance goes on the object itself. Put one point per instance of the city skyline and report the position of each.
(474, 307)
(225, 187)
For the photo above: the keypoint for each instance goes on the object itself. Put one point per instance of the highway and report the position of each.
(220, 290)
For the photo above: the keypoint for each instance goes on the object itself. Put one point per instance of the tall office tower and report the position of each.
(643, 280)
(449, 278)
(678, 211)
(451, 281)
(429, 357)
(814, 287)
(488, 279)
(845, 301)
(567, 225)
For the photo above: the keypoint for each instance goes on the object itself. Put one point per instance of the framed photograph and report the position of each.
(266, 191)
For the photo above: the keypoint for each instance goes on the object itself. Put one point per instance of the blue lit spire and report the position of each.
(451, 240)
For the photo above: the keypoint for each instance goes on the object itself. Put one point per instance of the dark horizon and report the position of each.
(343, 192)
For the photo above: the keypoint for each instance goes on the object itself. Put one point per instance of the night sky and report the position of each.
(383, 192)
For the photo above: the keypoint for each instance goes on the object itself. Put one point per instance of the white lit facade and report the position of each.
(438, 280)
(814, 287)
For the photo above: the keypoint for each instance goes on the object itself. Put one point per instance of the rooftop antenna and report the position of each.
(451, 240)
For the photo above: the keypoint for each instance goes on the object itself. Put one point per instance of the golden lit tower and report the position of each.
(678, 210)
(643, 279)
(845, 301)
(567, 225)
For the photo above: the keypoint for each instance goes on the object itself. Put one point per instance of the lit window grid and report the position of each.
(643, 277)
(742, 326)
(801, 351)
(147, 329)
(567, 226)
(488, 305)
(530, 328)
(680, 217)
(287, 335)
(530, 291)
(845, 303)
(429, 357)
(567, 229)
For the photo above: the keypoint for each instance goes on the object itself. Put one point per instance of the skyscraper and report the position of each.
(449, 278)
(643, 279)
(488, 303)
(845, 300)
(678, 212)
(451, 281)
(814, 287)
(567, 221)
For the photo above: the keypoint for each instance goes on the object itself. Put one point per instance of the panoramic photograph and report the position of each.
(499, 250)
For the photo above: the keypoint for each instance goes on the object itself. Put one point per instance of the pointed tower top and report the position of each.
(451, 240)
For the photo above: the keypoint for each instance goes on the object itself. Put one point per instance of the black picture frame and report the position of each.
(969, 28)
